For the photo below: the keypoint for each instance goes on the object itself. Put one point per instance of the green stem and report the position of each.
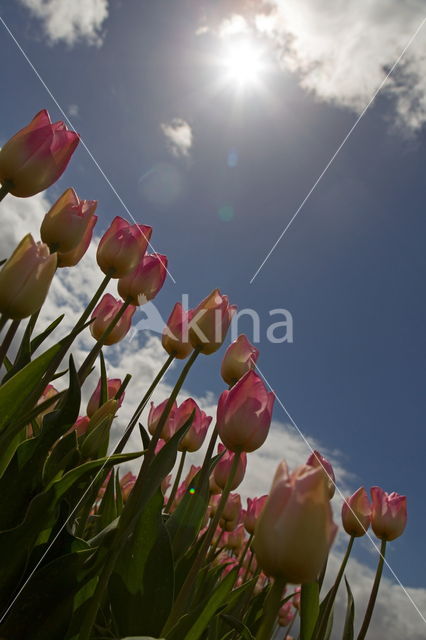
(246, 548)
(373, 595)
(271, 608)
(209, 454)
(133, 421)
(183, 596)
(176, 482)
(4, 190)
(127, 518)
(8, 340)
(323, 621)
(93, 354)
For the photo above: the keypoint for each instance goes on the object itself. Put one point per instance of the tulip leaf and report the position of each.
(107, 511)
(185, 522)
(141, 587)
(44, 607)
(21, 386)
(41, 337)
(243, 632)
(309, 609)
(348, 630)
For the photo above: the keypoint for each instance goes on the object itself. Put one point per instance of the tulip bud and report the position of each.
(127, 483)
(25, 279)
(254, 509)
(210, 322)
(113, 385)
(213, 487)
(195, 436)
(49, 392)
(65, 224)
(175, 338)
(122, 247)
(36, 156)
(316, 460)
(223, 468)
(105, 313)
(80, 426)
(235, 539)
(295, 530)
(145, 281)
(286, 614)
(154, 416)
(388, 514)
(71, 258)
(244, 414)
(356, 512)
(240, 357)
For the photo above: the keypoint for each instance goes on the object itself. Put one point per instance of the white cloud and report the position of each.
(178, 134)
(394, 616)
(70, 22)
(341, 52)
(74, 110)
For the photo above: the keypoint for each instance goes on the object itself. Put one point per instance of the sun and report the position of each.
(242, 62)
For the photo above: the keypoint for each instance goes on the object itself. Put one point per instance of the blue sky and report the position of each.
(351, 269)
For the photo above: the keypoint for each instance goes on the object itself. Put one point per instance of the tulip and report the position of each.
(295, 530)
(244, 414)
(81, 425)
(214, 503)
(154, 416)
(71, 258)
(122, 247)
(103, 315)
(356, 513)
(49, 392)
(223, 468)
(127, 483)
(65, 224)
(213, 487)
(231, 513)
(235, 539)
(388, 514)
(175, 338)
(36, 156)
(316, 460)
(25, 279)
(195, 436)
(113, 385)
(145, 281)
(210, 322)
(254, 509)
(286, 614)
(240, 357)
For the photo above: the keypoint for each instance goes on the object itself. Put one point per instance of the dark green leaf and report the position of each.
(348, 631)
(309, 609)
(38, 340)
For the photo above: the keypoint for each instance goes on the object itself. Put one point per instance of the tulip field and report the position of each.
(89, 551)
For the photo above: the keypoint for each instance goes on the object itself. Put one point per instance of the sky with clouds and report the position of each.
(218, 168)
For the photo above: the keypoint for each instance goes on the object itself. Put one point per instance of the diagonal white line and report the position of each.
(293, 422)
(92, 157)
(339, 148)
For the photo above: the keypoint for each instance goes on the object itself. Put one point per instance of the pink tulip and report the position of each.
(240, 357)
(356, 513)
(71, 258)
(165, 484)
(244, 414)
(105, 313)
(223, 468)
(295, 530)
(154, 416)
(231, 514)
(236, 539)
(175, 338)
(65, 224)
(122, 247)
(113, 385)
(81, 425)
(388, 514)
(213, 504)
(36, 156)
(210, 322)
(127, 483)
(25, 279)
(213, 487)
(145, 281)
(316, 460)
(254, 509)
(195, 436)
(286, 614)
(160, 444)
